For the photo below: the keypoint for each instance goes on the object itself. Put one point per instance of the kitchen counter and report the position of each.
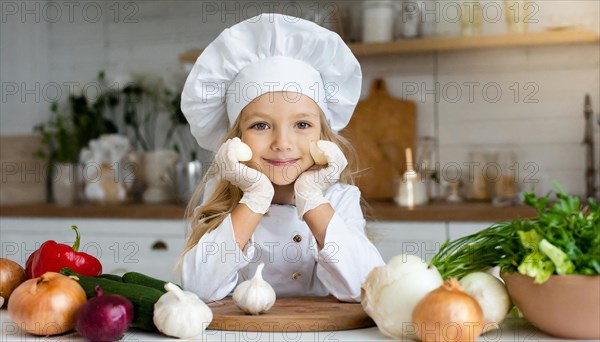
(513, 330)
(380, 211)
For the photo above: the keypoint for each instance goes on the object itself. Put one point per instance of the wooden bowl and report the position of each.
(566, 306)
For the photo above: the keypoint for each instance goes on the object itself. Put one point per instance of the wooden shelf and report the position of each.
(381, 211)
(445, 212)
(125, 211)
(400, 47)
(559, 37)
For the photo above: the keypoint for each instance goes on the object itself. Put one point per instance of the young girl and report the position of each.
(276, 83)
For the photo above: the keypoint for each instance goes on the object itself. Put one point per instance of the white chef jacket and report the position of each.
(294, 266)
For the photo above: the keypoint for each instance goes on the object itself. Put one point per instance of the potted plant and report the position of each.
(140, 109)
(60, 136)
(66, 133)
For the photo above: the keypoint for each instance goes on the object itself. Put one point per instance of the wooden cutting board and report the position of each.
(291, 314)
(380, 130)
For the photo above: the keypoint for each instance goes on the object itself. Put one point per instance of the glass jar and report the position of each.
(378, 21)
(506, 180)
(471, 18)
(430, 16)
(408, 23)
(478, 185)
(428, 165)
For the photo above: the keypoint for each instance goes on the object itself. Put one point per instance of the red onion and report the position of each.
(104, 318)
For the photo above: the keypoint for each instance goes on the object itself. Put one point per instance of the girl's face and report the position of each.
(279, 127)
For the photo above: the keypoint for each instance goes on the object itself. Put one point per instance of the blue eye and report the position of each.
(259, 126)
(303, 125)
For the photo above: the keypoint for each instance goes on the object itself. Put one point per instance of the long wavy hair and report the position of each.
(205, 215)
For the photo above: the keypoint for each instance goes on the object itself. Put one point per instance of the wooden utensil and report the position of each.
(381, 128)
(291, 314)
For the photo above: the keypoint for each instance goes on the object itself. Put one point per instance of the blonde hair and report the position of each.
(207, 217)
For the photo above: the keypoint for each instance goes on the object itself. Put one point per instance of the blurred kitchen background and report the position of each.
(525, 101)
(481, 90)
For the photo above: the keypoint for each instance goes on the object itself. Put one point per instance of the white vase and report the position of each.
(65, 184)
(159, 168)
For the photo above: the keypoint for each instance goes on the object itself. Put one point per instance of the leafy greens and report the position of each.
(564, 238)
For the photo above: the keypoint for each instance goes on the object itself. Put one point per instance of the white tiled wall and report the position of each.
(543, 122)
(547, 133)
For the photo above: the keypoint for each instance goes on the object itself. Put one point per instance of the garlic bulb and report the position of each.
(390, 293)
(254, 296)
(181, 314)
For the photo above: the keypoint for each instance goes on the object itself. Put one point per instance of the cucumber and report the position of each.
(142, 297)
(111, 277)
(142, 279)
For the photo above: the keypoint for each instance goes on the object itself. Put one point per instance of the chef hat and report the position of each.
(267, 53)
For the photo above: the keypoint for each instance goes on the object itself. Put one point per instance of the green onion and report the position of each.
(572, 229)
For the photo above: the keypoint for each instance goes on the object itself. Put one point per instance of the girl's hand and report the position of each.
(256, 186)
(311, 184)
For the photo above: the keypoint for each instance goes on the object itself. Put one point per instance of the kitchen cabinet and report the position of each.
(148, 246)
(153, 246)
(422, 239)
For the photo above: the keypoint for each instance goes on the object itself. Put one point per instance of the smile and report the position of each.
(281, 162)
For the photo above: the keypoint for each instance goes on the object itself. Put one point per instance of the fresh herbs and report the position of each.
(564, 238)
(74, 124)
(59, 134)
(140, 109)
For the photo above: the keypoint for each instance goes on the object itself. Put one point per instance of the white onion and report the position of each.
(390, 293)
(491, 294)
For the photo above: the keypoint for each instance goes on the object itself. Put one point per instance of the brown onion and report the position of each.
(448, 314)
(11, 276)
(46, 305)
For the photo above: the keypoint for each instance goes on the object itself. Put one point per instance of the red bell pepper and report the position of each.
(53, 256)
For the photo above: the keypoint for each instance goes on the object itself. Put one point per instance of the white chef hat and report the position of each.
(267, 53)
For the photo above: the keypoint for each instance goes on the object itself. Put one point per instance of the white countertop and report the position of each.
(512, 330)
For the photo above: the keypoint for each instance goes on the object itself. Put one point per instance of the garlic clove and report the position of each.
(317, 154)
(254, 296)
(242, 151)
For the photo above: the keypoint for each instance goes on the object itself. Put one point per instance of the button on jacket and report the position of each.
(294, 265)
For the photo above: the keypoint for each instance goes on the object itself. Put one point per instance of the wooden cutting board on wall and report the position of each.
(381, 128)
